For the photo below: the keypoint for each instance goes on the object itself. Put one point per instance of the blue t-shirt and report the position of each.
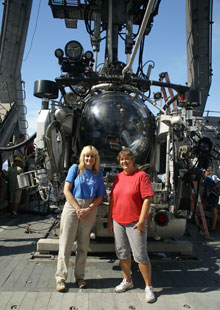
(86, 185)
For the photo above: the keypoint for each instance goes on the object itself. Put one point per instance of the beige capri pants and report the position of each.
(72, 229)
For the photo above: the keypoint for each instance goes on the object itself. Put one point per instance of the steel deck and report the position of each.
(27, 279)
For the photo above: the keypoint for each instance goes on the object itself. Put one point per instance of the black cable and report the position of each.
(17, 146)
(35, 29)
(140, 59)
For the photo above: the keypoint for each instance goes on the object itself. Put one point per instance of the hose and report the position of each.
(58, 126)
(17, 146)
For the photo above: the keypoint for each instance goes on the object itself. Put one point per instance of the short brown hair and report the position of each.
(127, 153)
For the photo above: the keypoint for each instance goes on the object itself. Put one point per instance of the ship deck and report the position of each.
(27, 279)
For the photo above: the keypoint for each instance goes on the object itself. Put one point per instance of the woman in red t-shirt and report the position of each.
(131, 197)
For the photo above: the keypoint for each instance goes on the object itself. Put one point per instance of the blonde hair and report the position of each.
(126, 153)
(89, 149)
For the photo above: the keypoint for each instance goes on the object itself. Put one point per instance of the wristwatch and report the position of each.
(90, 207)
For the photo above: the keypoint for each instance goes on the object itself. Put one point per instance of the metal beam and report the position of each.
(14, 29)
(199, 49)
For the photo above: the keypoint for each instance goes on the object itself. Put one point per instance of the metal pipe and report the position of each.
(110, 54)
(96, 38)
(137, 91)
(140, 35)
(127, 58)
(167, 161)
(96, 60)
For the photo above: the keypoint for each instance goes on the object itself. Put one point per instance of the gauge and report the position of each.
(70, 97)
(74, 50)
(89, 55)
(59, 53)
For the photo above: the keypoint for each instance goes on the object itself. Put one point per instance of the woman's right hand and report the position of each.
(82, 213)
(141, 227)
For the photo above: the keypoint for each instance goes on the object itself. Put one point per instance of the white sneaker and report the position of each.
(149, 294)
(92, 235)
(60, 286)
(124, 286)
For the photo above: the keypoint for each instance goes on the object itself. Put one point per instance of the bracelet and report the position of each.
(90, 207)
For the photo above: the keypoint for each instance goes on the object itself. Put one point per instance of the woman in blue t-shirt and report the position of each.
(84, 190)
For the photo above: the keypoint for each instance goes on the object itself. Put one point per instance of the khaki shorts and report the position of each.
(129, 240)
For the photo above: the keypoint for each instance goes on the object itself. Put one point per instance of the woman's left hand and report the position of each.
(140, 226)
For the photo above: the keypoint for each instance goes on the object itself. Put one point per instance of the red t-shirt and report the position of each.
(128, 192)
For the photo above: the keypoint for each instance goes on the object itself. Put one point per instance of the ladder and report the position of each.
(164, 75)
(197, 202)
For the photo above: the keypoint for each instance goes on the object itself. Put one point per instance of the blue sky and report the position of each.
(166, 46)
